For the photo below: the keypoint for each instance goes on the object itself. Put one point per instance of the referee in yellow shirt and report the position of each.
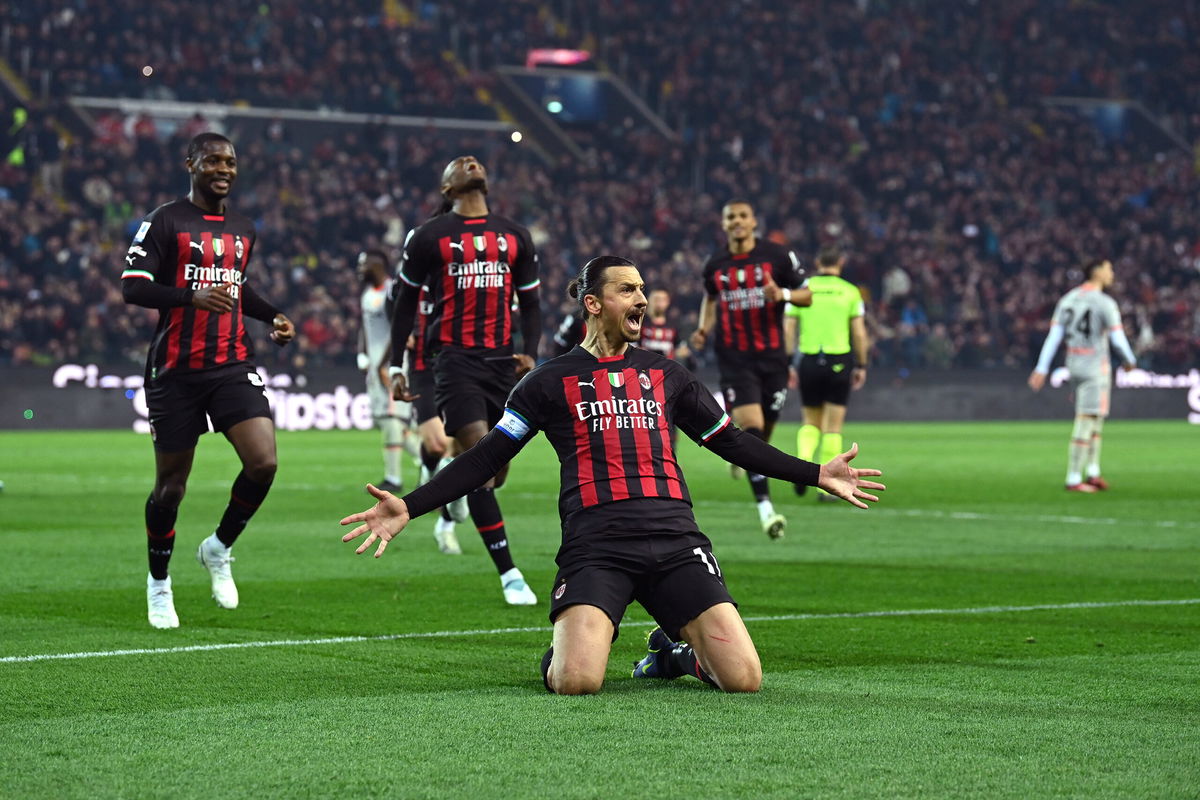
(832, 356)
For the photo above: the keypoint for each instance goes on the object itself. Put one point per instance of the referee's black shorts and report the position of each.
(825, 379)
(674, 576)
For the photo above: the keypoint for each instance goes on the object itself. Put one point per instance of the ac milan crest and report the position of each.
(644, 381)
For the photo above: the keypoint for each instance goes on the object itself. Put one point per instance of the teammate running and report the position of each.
(1088, 319)
(743, 293)
(832, 356)
(473, 262)
(628, 532)
(188, 259)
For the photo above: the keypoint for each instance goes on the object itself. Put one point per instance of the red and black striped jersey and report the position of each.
(746, 321)
(609, 421)
(660, 338)
(181, 247)
(472, 266)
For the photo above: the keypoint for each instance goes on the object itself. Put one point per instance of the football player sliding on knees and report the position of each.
(607, 408)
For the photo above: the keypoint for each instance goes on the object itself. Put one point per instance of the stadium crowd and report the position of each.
(915, 137)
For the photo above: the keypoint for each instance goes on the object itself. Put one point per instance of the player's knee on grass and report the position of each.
(582, 641)
(574, 679)
(724, 649)
(576, 671)
(735, 674)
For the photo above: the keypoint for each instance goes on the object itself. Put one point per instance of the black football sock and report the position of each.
(160, 536)
(681, 660)
(758, 483)
(430, 460)
(446, 514)
(546, 657)
(485, 513)
(244, 499)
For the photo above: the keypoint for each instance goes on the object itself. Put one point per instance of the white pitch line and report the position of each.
(916, 612)
(1065, 519)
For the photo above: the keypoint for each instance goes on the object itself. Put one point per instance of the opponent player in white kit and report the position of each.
(1088, 319)
(374, 343)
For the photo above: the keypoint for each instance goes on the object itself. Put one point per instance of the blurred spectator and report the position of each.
(910, 131)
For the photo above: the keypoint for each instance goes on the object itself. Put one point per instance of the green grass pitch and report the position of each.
(1046, 645)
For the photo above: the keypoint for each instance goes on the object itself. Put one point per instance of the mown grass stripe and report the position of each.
(912, 612)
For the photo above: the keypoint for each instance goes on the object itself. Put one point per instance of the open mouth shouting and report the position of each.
(633, 321)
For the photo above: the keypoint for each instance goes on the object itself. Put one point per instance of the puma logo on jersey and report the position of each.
(198, 246)
(590, 384)
(134, 250)
(456, 246)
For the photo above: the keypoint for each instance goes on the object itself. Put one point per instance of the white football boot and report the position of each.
(516, 590)
(447, 539)
(160, 603)
(215, 557)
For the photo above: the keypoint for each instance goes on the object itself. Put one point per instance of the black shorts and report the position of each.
(470, 388)
(825, 379)
(675, 577)
(748, 379)
(181, 404)
(420, 382)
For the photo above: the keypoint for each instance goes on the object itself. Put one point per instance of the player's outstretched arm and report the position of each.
(840, 479)
(468, 471)
(837, 477)
(382, 522)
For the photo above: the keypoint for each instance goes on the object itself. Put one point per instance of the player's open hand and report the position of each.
(840, 479)
(523, 363)
(217, 299)
(284, 331)
(1037, 380)
(382, 522)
